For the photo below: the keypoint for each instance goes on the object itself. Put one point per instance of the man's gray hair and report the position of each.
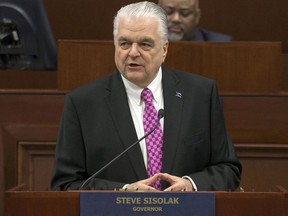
(146, 10)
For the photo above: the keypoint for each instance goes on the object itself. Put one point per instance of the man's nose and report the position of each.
(175, 17)
(134, 50)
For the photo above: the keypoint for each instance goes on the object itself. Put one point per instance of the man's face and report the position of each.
(183, 17)
(139, 50)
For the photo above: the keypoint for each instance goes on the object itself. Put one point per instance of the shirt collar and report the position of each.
(134, 92)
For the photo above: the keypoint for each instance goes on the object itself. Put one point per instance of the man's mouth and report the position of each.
(134, 66)
(175, 29)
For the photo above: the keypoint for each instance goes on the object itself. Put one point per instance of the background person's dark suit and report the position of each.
(97, 125)
(201, 34)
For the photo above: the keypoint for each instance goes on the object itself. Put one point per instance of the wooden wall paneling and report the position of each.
(83, 61)
(7, 168)
(258, 127)
(92, 20)
(246, 20)
(264, 166)
(30, 107)
(237, 67)
(17, 152)
(12, 136)
(23, 79)
(35, 164)
(284, 79)
(27, 118)
(257, 119)
(89, 19)
(2, 180)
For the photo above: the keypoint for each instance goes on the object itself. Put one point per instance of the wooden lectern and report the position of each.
(56, 203)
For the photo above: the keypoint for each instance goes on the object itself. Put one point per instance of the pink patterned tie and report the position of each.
(154, 141)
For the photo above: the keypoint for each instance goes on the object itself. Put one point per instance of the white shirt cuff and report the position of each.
(192, 182)
(125, 186)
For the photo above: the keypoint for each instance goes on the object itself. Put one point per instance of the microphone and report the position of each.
(160, 115)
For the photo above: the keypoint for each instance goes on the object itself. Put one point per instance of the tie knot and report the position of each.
(147, 96)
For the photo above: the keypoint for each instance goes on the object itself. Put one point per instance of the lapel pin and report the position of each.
(178, 94)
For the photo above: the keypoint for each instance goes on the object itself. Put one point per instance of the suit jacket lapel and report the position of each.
(173, 104)
(118, 104)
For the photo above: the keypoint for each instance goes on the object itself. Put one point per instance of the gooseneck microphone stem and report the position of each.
(160, 115)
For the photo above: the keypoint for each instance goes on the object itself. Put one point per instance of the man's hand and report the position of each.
(144, 185)
(177, 183)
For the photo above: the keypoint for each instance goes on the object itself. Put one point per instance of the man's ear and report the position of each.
(165, 50)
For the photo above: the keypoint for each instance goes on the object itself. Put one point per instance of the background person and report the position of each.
(183, 18)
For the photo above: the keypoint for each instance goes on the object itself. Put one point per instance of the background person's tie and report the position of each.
(154, 141)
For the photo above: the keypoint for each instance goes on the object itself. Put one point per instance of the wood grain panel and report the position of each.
(257, 20)
(237, 67)
(25, 117)
(264, 166)
(35, 163)
(285, 72)
(81, 62)
(261, 120)
(258, 126)
(19, 79)
(245, 20)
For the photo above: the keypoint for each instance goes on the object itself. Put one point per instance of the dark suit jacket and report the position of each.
(97, 125)
(204, 35)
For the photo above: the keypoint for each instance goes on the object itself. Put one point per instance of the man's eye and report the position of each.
(169, 11)
(186, 13)
(145, 45)
(124, 45)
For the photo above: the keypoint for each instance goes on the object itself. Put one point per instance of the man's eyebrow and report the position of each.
(147, 39)
(141, 40)
(123, 38)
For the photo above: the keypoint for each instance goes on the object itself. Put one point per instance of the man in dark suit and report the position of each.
(183, 19)
(101, 119)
